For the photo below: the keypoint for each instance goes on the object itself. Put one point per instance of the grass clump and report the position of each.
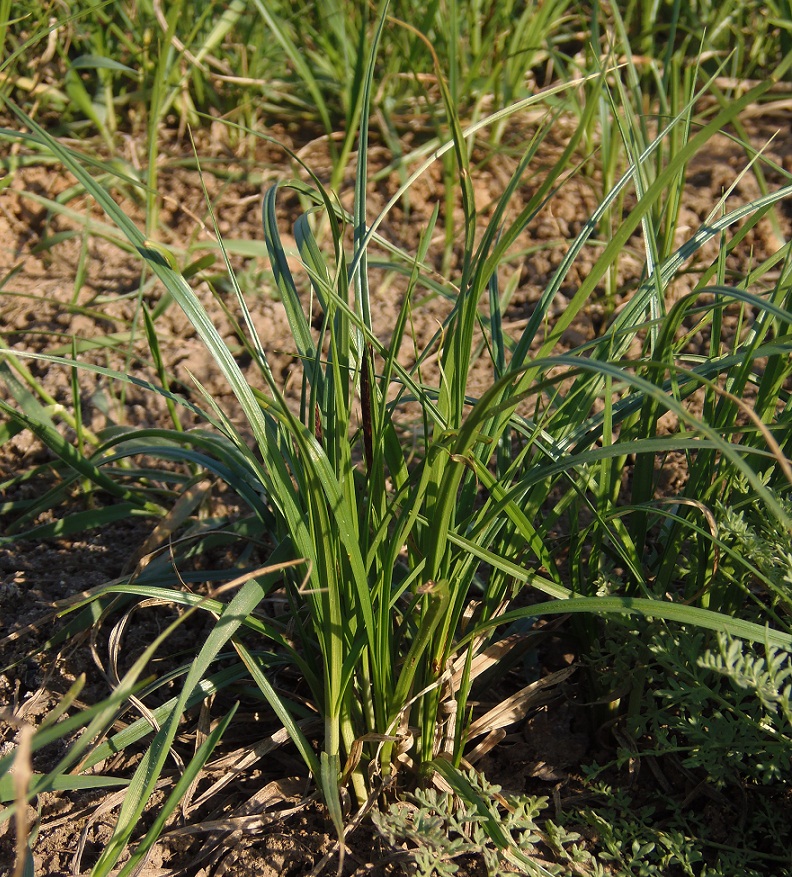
(378, 574)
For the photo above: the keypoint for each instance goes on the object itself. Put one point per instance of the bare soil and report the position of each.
(265, 822)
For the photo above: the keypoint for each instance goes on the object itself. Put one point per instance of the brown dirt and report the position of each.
(41, 253)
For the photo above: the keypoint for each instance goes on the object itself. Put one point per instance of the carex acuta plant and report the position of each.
(400, 550)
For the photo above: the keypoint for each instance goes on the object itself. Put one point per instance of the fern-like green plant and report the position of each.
(438, 828)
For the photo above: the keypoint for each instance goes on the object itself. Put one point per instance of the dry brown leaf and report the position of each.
(487, 744)
(516, 707)
(488, 657)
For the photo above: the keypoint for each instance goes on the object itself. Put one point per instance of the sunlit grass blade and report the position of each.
(191, 773)
(147, 774)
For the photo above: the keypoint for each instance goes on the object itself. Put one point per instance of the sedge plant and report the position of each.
(399, 567)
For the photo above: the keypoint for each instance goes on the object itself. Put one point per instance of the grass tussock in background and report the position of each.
(411, 507)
